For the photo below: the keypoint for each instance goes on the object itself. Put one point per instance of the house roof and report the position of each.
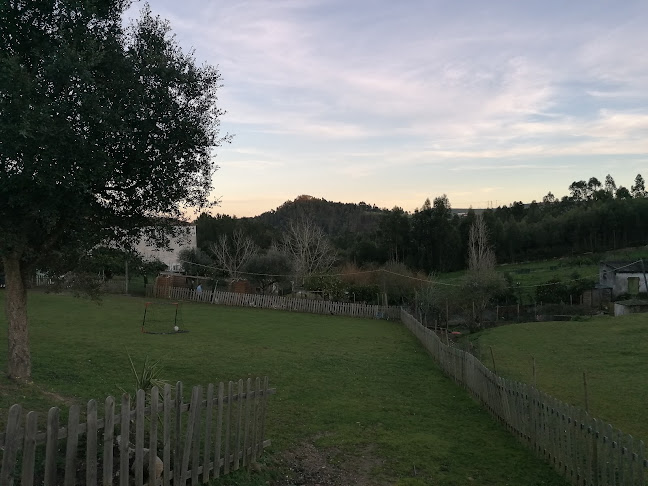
(625, 267)
(633, 303)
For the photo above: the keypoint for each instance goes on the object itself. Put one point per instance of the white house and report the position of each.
(622, 277)
(185, 240)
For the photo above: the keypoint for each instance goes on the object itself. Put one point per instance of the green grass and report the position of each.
(530, 274)
(611, 350)
(350, 386)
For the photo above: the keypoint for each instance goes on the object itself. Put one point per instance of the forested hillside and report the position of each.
(595, 217)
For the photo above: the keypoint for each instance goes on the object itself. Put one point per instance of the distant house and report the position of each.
(185, 240)
(622, 278)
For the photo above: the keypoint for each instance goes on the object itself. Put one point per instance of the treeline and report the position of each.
(594, 217)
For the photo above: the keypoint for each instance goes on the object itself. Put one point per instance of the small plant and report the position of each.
(148, 377)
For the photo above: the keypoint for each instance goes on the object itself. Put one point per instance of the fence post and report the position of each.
(124, 432)
(493, 358)
(91, 446)
(177, 453)
(585, 388)
(29, 450)
(109, 439)
(52, 445)
(208, 433)
(219, 428)
(11, 445)
(153, 436)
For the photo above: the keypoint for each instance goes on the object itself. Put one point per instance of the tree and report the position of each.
(610, 185)
(265, 270)
(197, 263)
(394, 232)
(623, 193)
(593, 185)
(549, 198)
(482, 282)
(105, 131)
(231, 254)
(145, 268)
(639, 188)
(308, 248)
(578, 191)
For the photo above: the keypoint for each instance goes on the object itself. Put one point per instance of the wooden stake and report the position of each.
(535, 383)
(586, 395)
(493, 358)
(447, 313)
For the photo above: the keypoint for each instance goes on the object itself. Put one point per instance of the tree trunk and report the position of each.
(19, 359)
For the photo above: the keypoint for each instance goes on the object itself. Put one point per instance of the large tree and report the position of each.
(104, 130)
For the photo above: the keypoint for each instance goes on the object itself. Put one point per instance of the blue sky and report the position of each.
(390, 103)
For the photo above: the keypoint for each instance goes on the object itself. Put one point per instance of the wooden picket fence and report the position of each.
(583, 449)
(161, 441)
(276, 302)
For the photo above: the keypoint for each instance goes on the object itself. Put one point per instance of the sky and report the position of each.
(392, 102)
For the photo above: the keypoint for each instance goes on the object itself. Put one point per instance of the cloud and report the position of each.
(368, 88)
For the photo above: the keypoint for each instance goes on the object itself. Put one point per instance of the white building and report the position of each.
(622, 277)
(185, 240)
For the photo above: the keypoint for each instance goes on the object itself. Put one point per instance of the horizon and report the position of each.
(391, 103)
(215, 211)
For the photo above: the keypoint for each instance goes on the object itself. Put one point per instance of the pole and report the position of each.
(126, 270)
(493, 358)
(535, 383)
(586, 395)
(447, 313)
(643, 269)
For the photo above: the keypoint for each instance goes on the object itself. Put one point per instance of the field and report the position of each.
(611, 350)
(531, 274)
(357, 398)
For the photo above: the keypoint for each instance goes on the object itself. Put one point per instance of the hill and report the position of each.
(347, 224)
(335, 218)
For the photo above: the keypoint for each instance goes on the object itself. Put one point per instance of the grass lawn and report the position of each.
(611, 350)
(362, 392)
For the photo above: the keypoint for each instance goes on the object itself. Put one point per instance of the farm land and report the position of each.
(358, 401)
(611, 351)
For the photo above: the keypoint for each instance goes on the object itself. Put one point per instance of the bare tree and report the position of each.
(309, 249)
(481, 256)
(231, 254)
(482, 282)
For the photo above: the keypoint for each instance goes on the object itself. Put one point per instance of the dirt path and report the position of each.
(307, 465)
